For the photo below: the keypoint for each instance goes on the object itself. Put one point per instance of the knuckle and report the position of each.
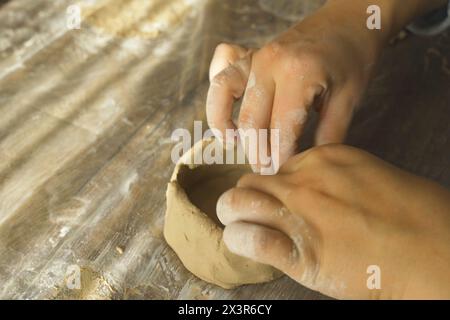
(294, 61)
(326, 154)
(311, 58)
(223, 47)
(231, 77)
(274, 49)
(261, 241)
(220, 79)
(245, 180)
(304, 63)
(246, 120)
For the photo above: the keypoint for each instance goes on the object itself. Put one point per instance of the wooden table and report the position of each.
(85, 125)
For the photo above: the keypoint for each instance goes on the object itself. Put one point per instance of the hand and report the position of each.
(332, 212)
(318, 64)
(323, 63)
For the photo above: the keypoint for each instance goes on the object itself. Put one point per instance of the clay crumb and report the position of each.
(282, 211)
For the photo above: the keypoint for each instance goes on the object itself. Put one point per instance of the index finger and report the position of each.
(226, 86)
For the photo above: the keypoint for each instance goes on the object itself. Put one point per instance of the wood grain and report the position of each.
(86, 119)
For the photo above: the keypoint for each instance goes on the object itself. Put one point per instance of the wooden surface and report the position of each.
(86, 118)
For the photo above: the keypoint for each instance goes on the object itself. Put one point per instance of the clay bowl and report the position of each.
(193, 230)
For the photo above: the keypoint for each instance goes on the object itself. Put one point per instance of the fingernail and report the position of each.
(223, 208)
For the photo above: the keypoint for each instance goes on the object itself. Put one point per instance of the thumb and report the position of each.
(261, 244)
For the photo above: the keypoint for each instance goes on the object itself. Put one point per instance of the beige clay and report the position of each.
(193, 230)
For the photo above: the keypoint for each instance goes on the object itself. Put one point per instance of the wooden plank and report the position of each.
(85, 148)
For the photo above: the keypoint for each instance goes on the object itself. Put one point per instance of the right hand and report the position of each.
(332, 214)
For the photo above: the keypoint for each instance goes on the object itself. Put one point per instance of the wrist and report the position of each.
(395, 15)
(349, 19)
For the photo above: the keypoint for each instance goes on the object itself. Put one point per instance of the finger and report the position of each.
(286, 189)
(224, 56)
(248, 205)
(275, 185)
(255, 115)
(294, 163)
(291, 105)
(227, 85)
(261, 244)
(335, 118)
